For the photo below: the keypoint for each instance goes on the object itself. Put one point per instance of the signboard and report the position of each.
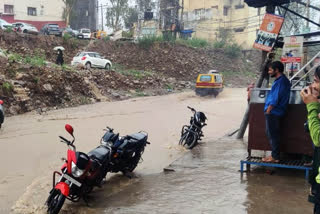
(268, 33)
(292, 51)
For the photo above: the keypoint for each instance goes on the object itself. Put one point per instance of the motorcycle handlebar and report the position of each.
(192, 109)
(109, 129)
(65, 140)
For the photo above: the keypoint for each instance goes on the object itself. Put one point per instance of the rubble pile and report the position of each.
(161, 69)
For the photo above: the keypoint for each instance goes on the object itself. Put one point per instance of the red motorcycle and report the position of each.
(79, 174)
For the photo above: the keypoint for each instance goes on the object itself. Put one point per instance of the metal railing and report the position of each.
(302, 70)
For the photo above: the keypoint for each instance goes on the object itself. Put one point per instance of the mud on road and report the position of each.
(34, 140)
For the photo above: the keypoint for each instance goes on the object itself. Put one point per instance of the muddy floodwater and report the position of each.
(205, 180)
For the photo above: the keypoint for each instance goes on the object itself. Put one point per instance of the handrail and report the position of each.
(296, 74)
(315, 66)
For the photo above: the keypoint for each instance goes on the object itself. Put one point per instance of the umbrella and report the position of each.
(59, 48)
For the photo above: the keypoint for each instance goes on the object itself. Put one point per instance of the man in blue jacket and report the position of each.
(275, 108)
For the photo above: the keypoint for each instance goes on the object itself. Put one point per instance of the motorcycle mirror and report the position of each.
(1, 102)
(69, 129)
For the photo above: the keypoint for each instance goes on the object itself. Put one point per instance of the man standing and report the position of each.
(275, 108)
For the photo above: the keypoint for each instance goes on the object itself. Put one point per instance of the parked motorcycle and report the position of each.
(126, 151)
(1, 113)
(191, 134)
(79, 174)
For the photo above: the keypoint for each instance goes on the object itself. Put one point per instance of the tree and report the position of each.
(116, 13)
(69, 4)
(131, 17)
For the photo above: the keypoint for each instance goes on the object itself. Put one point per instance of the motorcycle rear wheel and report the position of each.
(55, 201)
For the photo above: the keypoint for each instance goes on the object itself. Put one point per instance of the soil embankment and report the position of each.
(29, 80)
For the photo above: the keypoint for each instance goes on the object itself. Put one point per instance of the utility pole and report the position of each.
(181, 18)
(263, 75)
(102, 18)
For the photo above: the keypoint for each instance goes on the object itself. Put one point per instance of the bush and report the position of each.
(66, 37)
(14, 58)
(7, 88)
(35, 61)
(218, 44)
(107, 38)
(148, 41)
(194, 42)
(9, 30)
(233, 50)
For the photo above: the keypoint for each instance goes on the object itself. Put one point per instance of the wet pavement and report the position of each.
(205, 180)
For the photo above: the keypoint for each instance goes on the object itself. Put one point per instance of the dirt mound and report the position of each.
(28, 83)
(181, 62)
(39, 45)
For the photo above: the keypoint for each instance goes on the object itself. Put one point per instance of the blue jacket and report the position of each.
(279, 96)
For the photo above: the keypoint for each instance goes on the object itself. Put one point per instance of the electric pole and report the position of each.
(102, 18)
(263, 76)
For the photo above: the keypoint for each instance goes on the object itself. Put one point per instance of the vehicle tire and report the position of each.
(188, 140)
(183, 137)
(55, 201)
(108, 67)
(88, 65)
(135, 160)
(25, 31)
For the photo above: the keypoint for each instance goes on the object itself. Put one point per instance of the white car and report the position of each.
(91, 59)
(84, 34)
(4, 24)
(25, 27)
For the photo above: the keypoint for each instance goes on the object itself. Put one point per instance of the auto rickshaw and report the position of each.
(99, 34)
(209, 84)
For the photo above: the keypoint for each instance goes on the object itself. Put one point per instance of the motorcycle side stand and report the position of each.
(85, 199)
(129, 175)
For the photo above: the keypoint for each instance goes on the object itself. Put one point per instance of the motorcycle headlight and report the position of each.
(76, 172)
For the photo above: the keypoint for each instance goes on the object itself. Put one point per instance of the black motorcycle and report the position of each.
(126, 151)
(191, 134)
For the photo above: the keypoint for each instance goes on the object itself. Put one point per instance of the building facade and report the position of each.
(206, 17)
(36, 12)
(84, 15)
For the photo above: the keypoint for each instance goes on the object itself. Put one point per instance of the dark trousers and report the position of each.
(316, 209)
(273, 134)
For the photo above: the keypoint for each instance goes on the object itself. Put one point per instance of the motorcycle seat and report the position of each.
(100, 153)
(140, 136)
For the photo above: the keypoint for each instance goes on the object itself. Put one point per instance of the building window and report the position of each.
(32, 11)
(225, 11)
(8, 9)
(215, 7)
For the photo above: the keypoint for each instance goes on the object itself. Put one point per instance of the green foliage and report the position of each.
(13, 58)
(66, 37)
(137, 74)
(11, 72)
(147, 41)
(8, 30)
(7, 88)
(116, 13)
(131, 17)
(38, 61)
(84, 100)
(36, 80)
(169, 86)
(194, 42)
(107, 38)
(127, 34)
(233, 50)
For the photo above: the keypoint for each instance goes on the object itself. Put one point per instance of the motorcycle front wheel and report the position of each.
(55, 201)
(188, 140)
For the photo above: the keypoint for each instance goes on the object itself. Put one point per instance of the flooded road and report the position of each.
(205, 180)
